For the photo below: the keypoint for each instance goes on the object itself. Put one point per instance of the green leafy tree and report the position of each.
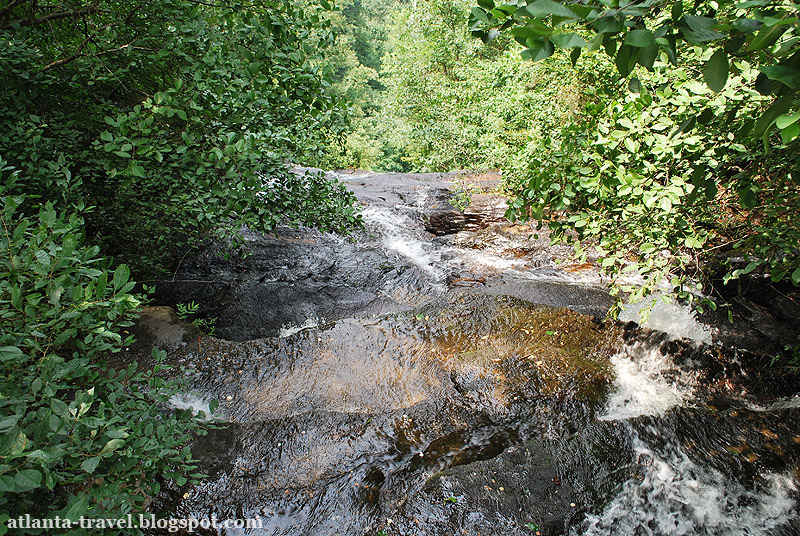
(464, 105)
(173, 119)
(77, 437)
(668, 173)
(763, 32)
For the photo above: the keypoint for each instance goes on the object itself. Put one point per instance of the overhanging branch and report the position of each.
(51, 17)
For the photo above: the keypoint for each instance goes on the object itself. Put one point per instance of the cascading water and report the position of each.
(418, 384)
(674, 494)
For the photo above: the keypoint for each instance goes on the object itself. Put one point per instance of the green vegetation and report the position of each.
(666, 140)
(432, 98)
(140, 130)
(188, 313)
(666, 173)
(173, 120)
(77, 437)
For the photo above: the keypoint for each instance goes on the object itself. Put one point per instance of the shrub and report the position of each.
(77, 437)
(174, 120)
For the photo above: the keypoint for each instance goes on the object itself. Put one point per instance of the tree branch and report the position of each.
(78, 53)
(7, 10)
(52, 16)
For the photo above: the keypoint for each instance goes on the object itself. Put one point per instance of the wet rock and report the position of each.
(292, 279)
(484, 210)
(160, 327)
(431, 381)
(506, 495)
(438, 212)
(443, 221)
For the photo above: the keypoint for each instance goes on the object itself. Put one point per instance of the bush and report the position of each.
(661, 178)
(175, 120)
(77, 437)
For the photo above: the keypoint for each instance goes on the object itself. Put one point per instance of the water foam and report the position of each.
(395, 236)
(678, 321)
(290, 329)
(675, 496)
(193, 402)
(641, 386)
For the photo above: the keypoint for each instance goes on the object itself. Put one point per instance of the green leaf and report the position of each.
(750, 267)
(766, 37)
(748, 197)
(640, 38)
(608, 25)
(647, 248)
(699, 29)
(121, 276)
(785, 75)
(7, 483)
(568, 40)
(8, 423)
(106, 136)
(543, 49)
(666, 204)
(90, 464)
(677, 11)
(544, 8)
(647, 57)
(574, 55)
(770, 116)
(796, 276)
(76, 508)
(26, 480)
(790, 133)
(112, 445)
(626, 59)
(747, 25)
(8, 353)
(715, 71)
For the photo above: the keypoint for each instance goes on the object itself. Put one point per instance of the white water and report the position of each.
(677, 497)
(673, 495)
(290, 329)
(195, 403)
(675, 320)
(396, 235)
(641, 385)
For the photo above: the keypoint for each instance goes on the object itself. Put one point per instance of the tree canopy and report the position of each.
(668, 174)
(173, 120)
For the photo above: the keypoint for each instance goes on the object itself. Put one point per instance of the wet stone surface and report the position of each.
(457, 379)
(299, 277)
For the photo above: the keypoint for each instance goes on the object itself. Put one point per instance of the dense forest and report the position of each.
(661, 136)
(664, 140)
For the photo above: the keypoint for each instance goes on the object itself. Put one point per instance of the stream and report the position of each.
(445, 372)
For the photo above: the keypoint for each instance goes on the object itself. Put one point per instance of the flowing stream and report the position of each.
(445, 373)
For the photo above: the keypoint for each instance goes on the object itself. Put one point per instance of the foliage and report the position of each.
(355, 64)
(77, 437)
(464, 105)
(666, 175)
(427, 97)
(764, 32)
(174, 119)
(188, 313)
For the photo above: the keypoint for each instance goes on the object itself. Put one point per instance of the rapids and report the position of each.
(446, 372)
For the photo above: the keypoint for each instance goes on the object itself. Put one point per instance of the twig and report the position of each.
(7, 10)
(53, 16)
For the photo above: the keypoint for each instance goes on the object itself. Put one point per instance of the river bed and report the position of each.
(446, 372)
